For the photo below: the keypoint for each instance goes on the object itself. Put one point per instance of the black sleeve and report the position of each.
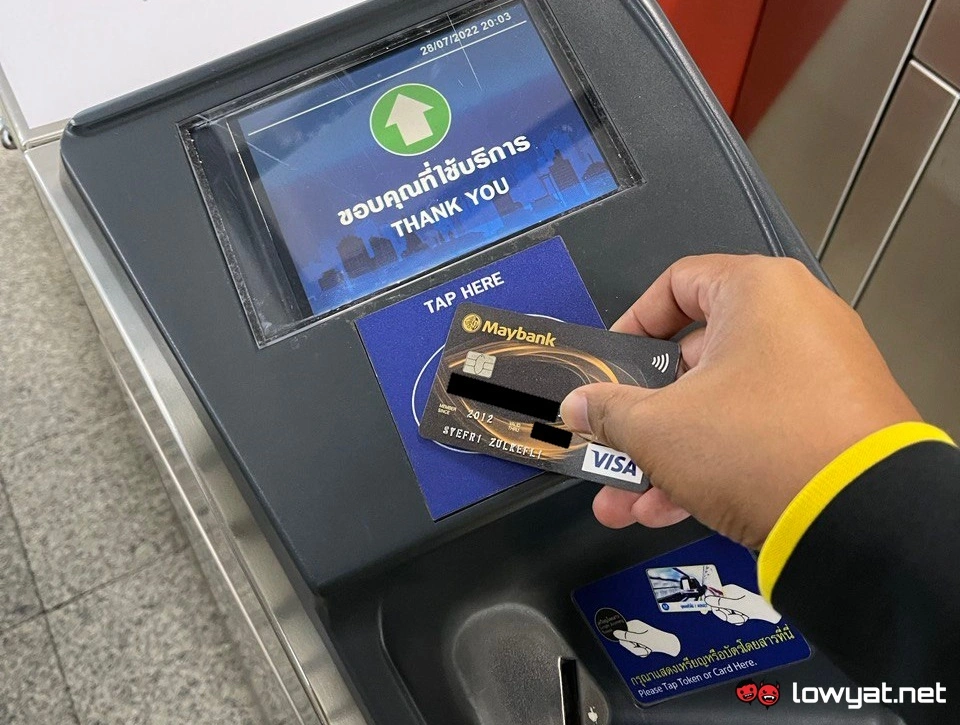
(874, 583)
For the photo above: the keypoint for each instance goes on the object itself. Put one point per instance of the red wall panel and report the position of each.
(787, 33)
(719, 35)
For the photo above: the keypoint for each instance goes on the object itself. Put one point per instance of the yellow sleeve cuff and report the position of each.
(825, 486)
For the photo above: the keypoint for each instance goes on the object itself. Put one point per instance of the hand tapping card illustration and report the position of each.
(699, 589)
(644, 618)
(684, 588)
(736, 605)
(636, 637)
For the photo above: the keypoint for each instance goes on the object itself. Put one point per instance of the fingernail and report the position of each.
(573, 412)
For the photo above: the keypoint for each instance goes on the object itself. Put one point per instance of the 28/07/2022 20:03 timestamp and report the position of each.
(465, 34)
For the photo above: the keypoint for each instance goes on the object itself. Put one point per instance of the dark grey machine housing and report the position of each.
(303, 422)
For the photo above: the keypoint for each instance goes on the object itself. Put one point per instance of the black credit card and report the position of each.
(502, 378)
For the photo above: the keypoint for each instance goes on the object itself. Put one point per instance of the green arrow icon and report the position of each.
(411, 119)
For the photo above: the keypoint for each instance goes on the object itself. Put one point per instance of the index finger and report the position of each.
(683, 294)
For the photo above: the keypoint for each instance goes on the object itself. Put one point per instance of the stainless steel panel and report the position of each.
(300, 681)
(911, 126)
(813, 138)
(23, 136)
(912, 303)
(938, 46)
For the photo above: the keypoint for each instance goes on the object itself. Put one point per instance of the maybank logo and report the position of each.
(471, 323)
(517, 333)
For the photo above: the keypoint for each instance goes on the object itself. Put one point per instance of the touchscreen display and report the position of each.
(357, 176)
(396, 166)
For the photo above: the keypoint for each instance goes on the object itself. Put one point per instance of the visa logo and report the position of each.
(613, 464)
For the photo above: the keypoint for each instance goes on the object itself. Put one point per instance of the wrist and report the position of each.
(817, 494)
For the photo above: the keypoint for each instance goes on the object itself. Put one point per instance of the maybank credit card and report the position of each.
(503, 375)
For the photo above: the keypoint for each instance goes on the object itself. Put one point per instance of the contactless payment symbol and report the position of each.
(411, 119)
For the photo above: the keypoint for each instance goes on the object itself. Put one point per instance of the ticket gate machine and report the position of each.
(278, 211)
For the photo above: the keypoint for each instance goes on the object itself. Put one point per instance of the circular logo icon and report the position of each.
(411, 119)
(609, 621)
(472, 322)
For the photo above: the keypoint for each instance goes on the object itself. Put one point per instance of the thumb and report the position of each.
(615, 415)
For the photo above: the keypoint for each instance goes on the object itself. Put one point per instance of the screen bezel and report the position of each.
(266, 228)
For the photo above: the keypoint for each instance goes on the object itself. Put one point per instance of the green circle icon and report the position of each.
(410, 119)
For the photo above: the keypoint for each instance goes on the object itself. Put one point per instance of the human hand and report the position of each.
(736, 605)
(781, 380)
(641, 639)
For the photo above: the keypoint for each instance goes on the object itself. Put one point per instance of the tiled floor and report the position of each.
(104, 614)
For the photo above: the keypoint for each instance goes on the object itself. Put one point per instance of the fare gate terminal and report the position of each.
(302, 220)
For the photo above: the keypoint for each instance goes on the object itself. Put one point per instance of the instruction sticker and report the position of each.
(689, 619)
